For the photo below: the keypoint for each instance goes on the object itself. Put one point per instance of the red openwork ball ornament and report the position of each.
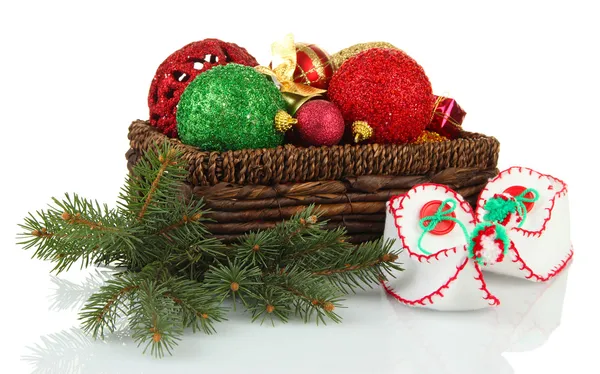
(387, 89)
(320, 123)
(179, 69)
(313, 66)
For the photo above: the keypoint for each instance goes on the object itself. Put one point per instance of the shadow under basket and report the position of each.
(254, 189)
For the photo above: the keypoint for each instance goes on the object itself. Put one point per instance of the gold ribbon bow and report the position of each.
(284, 62)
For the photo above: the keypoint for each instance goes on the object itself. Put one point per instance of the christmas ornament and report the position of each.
(447, 117)
(319, 123)
(179, 69)
(228, 108)
(520, 228)
(313, 66)
(430, 137)
(386, 89)
(362, 131)
(338, 58)
(284, 70)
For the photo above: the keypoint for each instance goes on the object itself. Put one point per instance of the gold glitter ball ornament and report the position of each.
(338, 59)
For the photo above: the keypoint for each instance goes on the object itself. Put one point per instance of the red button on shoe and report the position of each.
(443, 227)
(516, 191)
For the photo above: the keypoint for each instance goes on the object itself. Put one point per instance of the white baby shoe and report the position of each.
(521, 228)
(541, 245)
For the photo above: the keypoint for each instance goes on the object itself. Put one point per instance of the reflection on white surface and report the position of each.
(378, 335)
(70, 295)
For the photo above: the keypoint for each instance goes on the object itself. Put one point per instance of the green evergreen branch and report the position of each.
(271, 303)
(155, 320)
(329, 239)
(175, 276)
(260, 248)
(152, 192)
(233, 280)
(311, 296)
(166, 160)
(367, 265)
(76, 229)
(104, 307)
(200, 310)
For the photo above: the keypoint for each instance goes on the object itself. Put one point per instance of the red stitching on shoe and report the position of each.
(429, 298)
(488, 296)
(538, 277)
(523, 267)
(465, 205)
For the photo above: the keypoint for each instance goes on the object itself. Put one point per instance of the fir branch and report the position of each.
(200, 310)
(233, 280)
(104, 307)
(194, 260)
(155, 320)
(311, 296)
(387, 258)
(184, 220)
(153, 189)
(259, 248)
(76, 229)
(42, 233)
(76, 219)
(271, 303)
(331, 238)
(176, 277)
(367, 265)
(166, 160)
(180, 223)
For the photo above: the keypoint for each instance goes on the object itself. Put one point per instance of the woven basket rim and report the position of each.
(292, 164)
(464, 136)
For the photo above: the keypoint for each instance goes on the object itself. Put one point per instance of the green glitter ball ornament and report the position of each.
(230, 107)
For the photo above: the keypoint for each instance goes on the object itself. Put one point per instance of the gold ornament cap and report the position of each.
(294, 100)
(283, 121)
(361, 131)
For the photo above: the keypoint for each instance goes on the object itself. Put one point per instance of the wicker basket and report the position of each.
(255, 188)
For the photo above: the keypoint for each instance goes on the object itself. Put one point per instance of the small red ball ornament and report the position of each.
(386, 89)
(179, 69)
(320, 123)
(313, 66)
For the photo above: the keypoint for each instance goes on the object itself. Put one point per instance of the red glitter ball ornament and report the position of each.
(313, 66)
(388, 90)
(179, 69)
(320, 122)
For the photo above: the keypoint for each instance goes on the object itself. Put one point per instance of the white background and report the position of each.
(73, 76)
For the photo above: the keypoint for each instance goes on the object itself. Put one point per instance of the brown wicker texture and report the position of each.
(256, 188)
